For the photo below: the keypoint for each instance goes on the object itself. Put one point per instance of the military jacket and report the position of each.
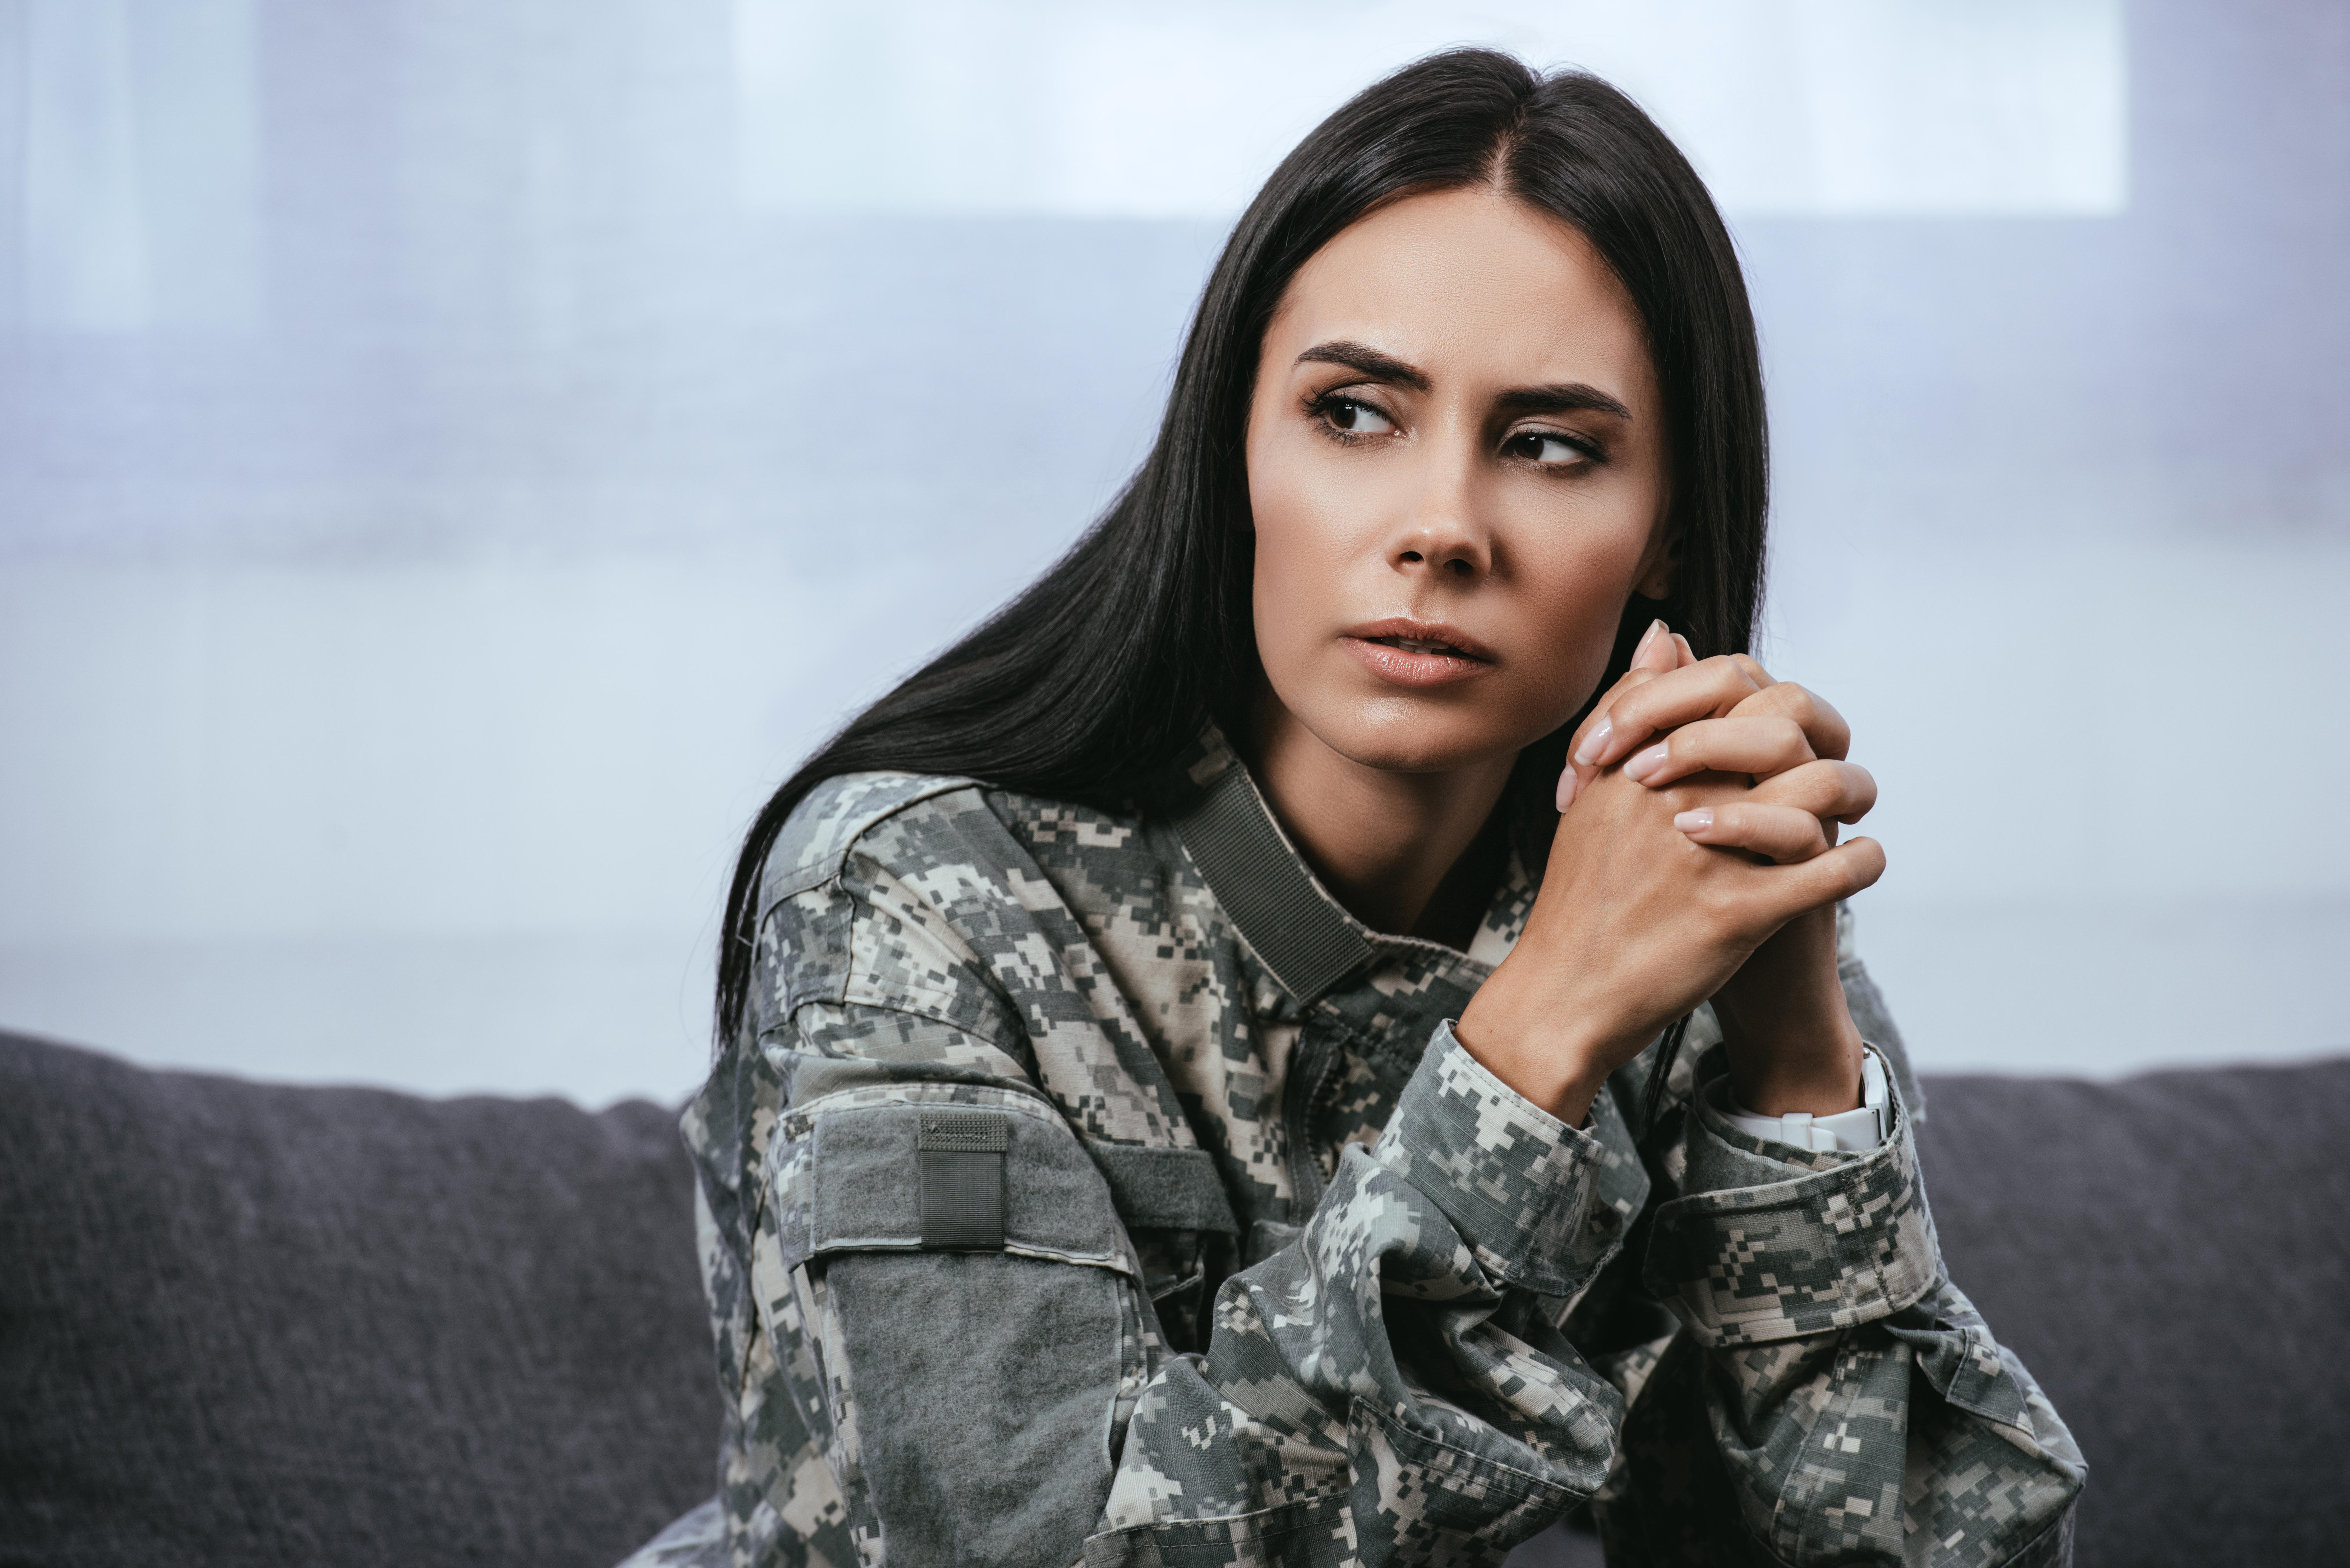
(1090, 1186)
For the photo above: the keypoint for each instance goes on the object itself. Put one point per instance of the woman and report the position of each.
(1318, 1034)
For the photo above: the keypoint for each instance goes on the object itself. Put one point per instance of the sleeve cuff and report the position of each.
(1856, 1131)
(1523, 1188)
(1768, 1242)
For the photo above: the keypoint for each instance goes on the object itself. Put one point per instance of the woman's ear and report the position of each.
(1661, 566)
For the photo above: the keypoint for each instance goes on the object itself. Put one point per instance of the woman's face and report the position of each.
(1456, 470)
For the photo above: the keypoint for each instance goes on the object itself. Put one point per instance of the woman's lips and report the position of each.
(1417, 653)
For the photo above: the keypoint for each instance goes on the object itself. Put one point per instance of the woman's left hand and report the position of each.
(1791, 1040)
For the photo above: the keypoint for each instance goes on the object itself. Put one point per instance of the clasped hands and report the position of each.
(1696, 857)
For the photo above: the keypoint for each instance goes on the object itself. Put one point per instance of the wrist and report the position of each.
(1853, 1131)
(1545, 1048)
(1811, 1065)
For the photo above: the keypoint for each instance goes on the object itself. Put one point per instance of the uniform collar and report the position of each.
(1298, 929)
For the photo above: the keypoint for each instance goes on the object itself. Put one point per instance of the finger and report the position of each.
(1840, 873)
(1575, 775)
(1754, 670)
(1689, 654)
(1825, 727)
(1831, 791)
(1762, 747)
(1597, 720)
(1790, 890)
(1659, 649)
(1709, 688)
(1781, 834)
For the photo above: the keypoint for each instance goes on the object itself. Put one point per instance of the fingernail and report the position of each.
(1568, 782)
(1647, 636)
(1696, 821)
(1643, 763)
(1593, 744)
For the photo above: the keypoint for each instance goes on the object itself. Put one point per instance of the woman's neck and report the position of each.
(1394, 847)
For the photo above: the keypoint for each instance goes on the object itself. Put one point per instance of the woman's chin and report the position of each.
(1423, 742)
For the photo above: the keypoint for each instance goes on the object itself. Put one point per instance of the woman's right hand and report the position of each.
(1636, 922)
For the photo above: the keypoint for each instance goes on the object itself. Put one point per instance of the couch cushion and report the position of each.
(250, 1323)
(2170, 1255)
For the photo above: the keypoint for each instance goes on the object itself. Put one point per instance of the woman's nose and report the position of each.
(1458, 558)
(1442, 535)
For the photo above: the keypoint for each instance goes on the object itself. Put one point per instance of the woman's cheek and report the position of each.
(1288, 584)
(1581, 603)
(1305, 550)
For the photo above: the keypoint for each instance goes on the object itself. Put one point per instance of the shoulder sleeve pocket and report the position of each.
(900, 1170)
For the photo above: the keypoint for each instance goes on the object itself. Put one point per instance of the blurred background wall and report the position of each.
(456, 454)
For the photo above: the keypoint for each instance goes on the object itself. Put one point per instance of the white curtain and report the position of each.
(456, 455)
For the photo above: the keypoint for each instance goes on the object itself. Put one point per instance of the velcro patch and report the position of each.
(961, 1154)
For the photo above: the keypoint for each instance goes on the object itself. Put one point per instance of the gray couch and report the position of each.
(255, 1325)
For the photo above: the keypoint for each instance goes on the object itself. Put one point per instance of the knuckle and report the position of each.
(1859, 789)
(1721, 905)
(1724, 672)
(1807, 787)
(1798, 838)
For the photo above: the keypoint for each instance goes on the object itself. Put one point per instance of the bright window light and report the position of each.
(1094, 108)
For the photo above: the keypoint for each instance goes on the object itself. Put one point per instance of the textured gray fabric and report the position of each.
(255, 1324)
(992, 949)
(2170, 1255)
(963, 1200)
(956, 1481)
(1300, 936)
(1171, 1189)
(873, 1191)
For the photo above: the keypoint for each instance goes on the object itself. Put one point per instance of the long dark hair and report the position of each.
(1104, 669)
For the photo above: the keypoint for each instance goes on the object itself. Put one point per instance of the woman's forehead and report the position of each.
(1466, 284)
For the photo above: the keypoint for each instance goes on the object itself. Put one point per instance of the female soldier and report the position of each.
(1319, 1034)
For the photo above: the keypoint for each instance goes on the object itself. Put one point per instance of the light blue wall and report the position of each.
(449, 470)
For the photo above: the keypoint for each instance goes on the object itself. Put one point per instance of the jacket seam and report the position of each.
(808, 877)
(1531, 1483)
(789, 1023)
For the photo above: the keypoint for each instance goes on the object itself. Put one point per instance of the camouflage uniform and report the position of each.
(1091, 1187)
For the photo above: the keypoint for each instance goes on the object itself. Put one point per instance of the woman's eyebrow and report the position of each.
(1369, 360)
(1573, 397)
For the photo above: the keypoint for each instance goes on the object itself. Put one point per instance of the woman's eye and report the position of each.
(1357, 419)
(1547, 448)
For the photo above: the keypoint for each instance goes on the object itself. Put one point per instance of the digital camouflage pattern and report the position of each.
(1285, 1276)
